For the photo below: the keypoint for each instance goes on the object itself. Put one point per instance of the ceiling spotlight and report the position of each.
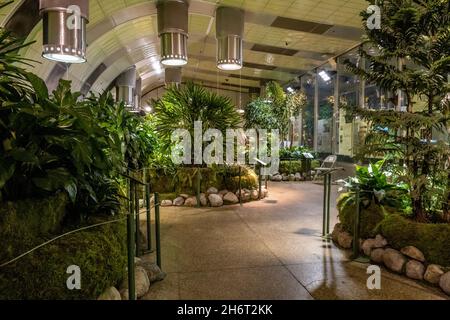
(324, 75)
(148, 109)
(290, 90)
(241, 111)
(229, 33)
(64, 31)
(173, 20)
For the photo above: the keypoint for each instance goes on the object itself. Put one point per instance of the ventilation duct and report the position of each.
(126, 88)
(173, 20)
(229, 33)
(64, 24)
(173, 76)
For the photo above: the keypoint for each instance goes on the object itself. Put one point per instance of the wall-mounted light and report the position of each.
(64, 24)
(173, 20)
(290, 90)
(229, 33)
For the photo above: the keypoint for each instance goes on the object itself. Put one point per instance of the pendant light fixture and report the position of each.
(173, 76)
(229, 34)
(64, 24)
(126, 87)
(173, 20)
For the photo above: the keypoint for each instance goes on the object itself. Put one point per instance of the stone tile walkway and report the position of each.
(270, 249)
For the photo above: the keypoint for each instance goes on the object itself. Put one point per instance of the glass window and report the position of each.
(308, 87)
(326, 83)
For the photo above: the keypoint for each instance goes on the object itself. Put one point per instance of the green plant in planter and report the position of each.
(375, 187)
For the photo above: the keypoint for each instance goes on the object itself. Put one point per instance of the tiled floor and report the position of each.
(270, 249)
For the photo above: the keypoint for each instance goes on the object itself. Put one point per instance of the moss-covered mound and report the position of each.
(432, 239)
(371, 217)
(100, 253)
(23, 223)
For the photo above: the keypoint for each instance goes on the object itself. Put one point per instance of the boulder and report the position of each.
(433, 274)
(111, 294)
(203, 200)
(368, 246)
(222, 193)
(277, 178)
(413, 253)
(376, 256)
(178, 202)
(285, 178)
(265, 192)
(212, 190)
(246, 196)
(337, 229)
(380, 242)
(291, 177)
(184, 195)
(215, 200)
(254, 194)
(141, 280)
(154, 273)
(298, 177)
(230, 198)
(191, 202)
(345, 240)
(166, 203)
(415, 270)
(125, 294)
(444, 283)
(394, 260)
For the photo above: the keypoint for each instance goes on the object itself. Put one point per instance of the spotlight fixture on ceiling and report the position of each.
(126, 88)
(290, 90)
(173, 20)
(229, 33)
(324, 75)
(64, 24)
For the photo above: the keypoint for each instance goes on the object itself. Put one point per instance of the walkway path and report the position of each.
(265, 250)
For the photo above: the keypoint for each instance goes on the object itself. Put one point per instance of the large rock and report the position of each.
(111, 294)
(203, 200)
(142, 282)
(191, 202)
(265, 192)
(413, 253)
(212, 190)
(222, 193)
(298, 177)
(215, 200)
(285, 178)
(376, 256)
(154, 273)
(345, 240)
(433, 274)
(125, 294)
(368, 246)
(380, 242)
(246, 196)
(277, 178)
(444, 283)
(178, 202)
(255, 194)
(185, 196)
(415, 270)
(394, 260)
(230, 198)
(337, 229)
(291, 177)
(166, 203)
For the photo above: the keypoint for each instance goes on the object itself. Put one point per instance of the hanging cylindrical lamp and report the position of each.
(173, 76)
(173, 17)
(229, 34)
(64, 28)
(126, 87)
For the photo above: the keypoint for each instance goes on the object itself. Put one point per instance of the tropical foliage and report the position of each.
(410, 55)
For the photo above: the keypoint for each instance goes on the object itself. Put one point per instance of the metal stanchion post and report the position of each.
(356, 225)
(328, 203)
(198, 186)
(260, 181)
(158, 231)
(138, 222)
(149, 217)
(131, 244)
(240, 185)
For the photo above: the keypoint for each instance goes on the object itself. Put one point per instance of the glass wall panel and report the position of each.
(326, 83)
(308, 87)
